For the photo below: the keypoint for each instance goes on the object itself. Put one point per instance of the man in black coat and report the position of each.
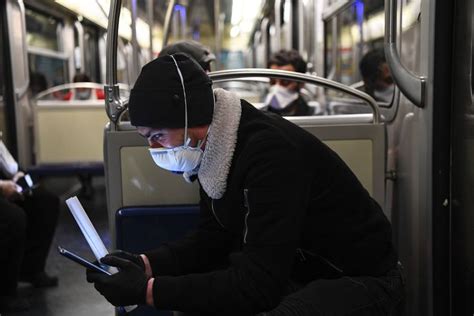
(285, 226)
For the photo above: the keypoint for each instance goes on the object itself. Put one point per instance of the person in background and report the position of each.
(200, 53)
(86, 93)
(82, 93)
(284, 97)
(285, 227)
(38, 83)
(378, 80)
(27, 224)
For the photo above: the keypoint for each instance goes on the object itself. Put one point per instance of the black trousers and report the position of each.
(361, 296)
(355, 296)
(26, 232)
(12, 245)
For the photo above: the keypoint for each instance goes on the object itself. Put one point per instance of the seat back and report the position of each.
(133, 179)
(144, 228)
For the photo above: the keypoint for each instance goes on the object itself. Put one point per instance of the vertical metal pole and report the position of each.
(184, 23)
(168, 17)
(111, 48)
(113, 104)
(150, 8)
(301, 29)
(278, 4)
(218, 31)
(265, 40)
(289, 37)
(135, 46)
(80, 39)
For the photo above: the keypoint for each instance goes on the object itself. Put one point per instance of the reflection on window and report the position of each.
(42, 31)
(348, 35)
(46, 71)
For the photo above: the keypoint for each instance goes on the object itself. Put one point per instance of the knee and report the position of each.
(46, 200)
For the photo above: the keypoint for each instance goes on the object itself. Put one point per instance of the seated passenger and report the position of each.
(378, 81)
(196, 50)
(86, 93)
(284, 223)
(284, 97)
(38, 83)
(27, 225)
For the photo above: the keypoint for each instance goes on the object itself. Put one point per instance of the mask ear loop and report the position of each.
(186, 141)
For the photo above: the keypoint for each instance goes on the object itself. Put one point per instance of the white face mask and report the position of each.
(280, 97)
(182, 158)
(385, 95)
(179, 159)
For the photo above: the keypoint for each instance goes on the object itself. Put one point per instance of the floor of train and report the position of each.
(73, 296)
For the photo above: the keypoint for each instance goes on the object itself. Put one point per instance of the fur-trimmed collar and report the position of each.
(220, 145)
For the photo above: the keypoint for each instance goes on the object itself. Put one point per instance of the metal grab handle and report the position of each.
(412, 86)
(76, 85)
(226, 75)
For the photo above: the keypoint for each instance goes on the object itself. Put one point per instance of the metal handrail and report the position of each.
(227, 75)
(412, 86)
(76, 85)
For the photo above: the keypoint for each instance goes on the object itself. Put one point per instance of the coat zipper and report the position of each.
(329, 263)
(247, 205)
(215, 215)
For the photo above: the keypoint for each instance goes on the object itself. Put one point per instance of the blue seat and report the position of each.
(143, 228)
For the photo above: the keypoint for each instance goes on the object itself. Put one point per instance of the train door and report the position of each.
(6, 126)
(462, 155)
(15, 33)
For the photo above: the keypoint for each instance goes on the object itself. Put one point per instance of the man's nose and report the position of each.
(154, 144)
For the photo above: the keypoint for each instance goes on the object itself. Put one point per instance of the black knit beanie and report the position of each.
(157, 98)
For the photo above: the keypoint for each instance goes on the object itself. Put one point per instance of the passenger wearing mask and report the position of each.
(284, 97)
(273, 238)
(378, 81)
(27, 224)
(86, 93)
(196, 50)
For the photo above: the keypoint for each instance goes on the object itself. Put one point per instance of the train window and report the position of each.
(91, 47)
(46, 70)
(47, 64)
(348, 35)
(43, 31)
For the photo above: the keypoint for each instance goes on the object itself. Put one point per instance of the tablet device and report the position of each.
(78, 259)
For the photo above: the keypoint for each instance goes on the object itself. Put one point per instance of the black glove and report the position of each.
(126, 287)
(137, 259)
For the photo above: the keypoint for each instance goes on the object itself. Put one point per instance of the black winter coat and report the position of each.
(292, 211)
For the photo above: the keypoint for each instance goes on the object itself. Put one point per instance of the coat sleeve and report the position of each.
(257, 277)
(205, 248)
